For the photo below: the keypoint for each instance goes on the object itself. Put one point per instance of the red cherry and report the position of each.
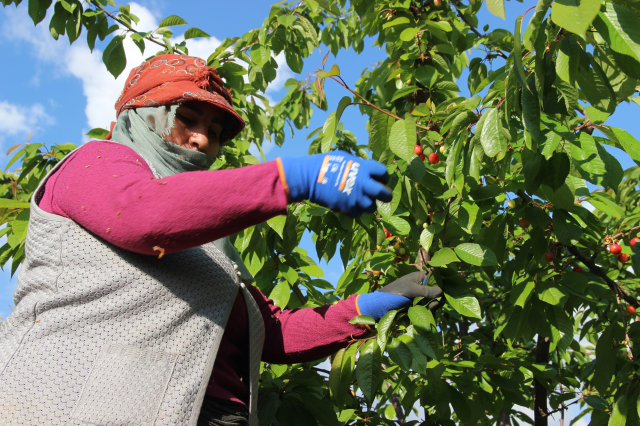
(577, 269)
(623, 257)
(615, 249)
(437, 3)
(397, 259)
(634, 241)
(524, 223)
(422, 157)
(417, 149)
(549, 257)
(376, 272)
(630, 310)
(434, 158)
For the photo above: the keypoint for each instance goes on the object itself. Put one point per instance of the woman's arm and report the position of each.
(109, 190)
(302, 335)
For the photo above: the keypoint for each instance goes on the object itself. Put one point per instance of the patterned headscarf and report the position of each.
(171, 79)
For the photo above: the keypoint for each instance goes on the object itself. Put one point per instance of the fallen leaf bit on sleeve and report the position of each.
(160, 249)
(118, 214)
(108, 230)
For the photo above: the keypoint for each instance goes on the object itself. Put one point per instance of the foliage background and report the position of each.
(53, 99)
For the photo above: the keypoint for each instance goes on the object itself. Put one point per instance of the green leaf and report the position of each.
(400, 353)
(172, 21)
(260, 55)
(379, 129)
(575, 16)
(368, 369)
(475, 254)
(13, 204)
(594, 163)
(521, 292)
(404, 91)
(397, 226)
(38, 10)
(397, 21)
(344, 102)
(427, 75)
(409, 34)
(277, 224)
(465, 305)
(363, 319)
(531, 110)
(567, 229)
(287, 20)
(619, 413)
(422, 318)
(98, 133)
(496, 7)
(194, 32)
(333, 72)
(605, 360)
(114, 56)
(335, 377)
(492, 139)
(281, 294)
(517, 55)
(443, 257)
(267, 407)
(402, 138)
(328, 132)
(618, 26)
(470, 218)
(551, 293)
(426, 237)
(383, 327)
(628, 142)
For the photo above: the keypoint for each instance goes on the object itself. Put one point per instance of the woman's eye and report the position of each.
(184, 119)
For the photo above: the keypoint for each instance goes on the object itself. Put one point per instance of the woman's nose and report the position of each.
(199, 139)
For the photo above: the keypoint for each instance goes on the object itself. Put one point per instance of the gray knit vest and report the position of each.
(104, 336)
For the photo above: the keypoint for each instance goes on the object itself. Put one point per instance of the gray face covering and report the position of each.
(144, 130)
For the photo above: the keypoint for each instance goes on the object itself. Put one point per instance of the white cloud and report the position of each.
(16, 119)
(98, 85)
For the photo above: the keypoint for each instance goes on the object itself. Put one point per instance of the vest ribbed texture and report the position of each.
(104, 336)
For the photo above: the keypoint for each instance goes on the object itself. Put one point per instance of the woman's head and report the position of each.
(205, 117)
(198, 126)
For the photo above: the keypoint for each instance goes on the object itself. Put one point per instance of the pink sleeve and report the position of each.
(302, 335)
(110, 191)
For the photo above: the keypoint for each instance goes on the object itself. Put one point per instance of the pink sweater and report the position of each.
(110, 191)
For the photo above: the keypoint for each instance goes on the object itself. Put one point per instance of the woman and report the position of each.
(132, 307)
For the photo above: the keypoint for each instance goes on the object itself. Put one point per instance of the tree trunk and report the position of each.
(399, 411)
(540, 392)
(504, 419)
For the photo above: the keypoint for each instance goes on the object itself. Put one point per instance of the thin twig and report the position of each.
(367, 103)
(565, 407)
(622, 234)
(130, 28)
(475, 31)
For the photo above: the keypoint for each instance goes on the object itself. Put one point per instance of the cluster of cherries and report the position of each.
(402, 258)
(433, 157)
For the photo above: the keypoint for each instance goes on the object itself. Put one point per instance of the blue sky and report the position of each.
(59, 92)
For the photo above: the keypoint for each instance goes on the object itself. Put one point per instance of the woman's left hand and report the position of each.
(398, 294)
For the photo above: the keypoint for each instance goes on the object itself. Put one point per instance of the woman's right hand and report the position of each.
(337, 180)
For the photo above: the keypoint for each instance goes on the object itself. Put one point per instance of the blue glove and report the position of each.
(397, 295)
(338, 181)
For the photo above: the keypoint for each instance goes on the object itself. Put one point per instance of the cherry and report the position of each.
(375, 272)
(512, 204)
(524, 223)
(634, 241)
(417, 149)
(402, 251)
(404, 258)
(442, 149)
(630, 310)
(396, 246)
(577, 269)
(623, 257)
(549, 257)
(422, 157)
(397, 259)
(437, 3)
(434, 158)
(615, 249)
